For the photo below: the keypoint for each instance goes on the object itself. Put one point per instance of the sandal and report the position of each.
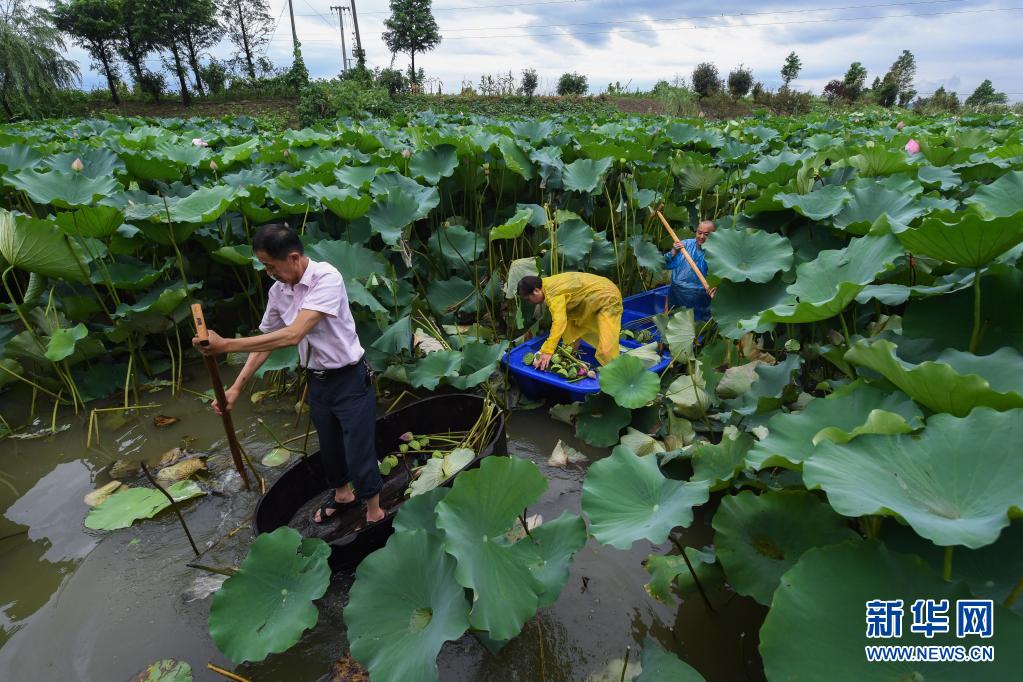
(331, 504)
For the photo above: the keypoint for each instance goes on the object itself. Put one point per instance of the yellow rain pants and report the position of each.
(584, 306)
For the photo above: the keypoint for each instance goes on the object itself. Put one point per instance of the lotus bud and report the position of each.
(656, 131)
(406, 437)
(900, 125)
(591, 374)
(213, 165)
(702, 115)
(581, 372)
(913, 147)
(405, 153)
(199, 142)
(870, 144)
(77, 165)
(286, 153)
(622, 161)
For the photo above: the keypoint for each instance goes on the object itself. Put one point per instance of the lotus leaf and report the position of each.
(356, 176)
(679, 330)
(759, 537)
(37, 246)
(353, 261)
(429, 370)
(774, 169)
(627, 380)
(627, 498)
(956, 382)
(1002, 198)
(600, 420)
(62, 342)
(926, 480)
(584, 175)
(658, 665)
(736, 307)
(397, 338)
(344, 202)
(419, 513)
(276, 457)
(640, 443)
(970, 242)
(458, 247)
(513, 227)
(434, 164)
(204, 205)
(17, 157)
(817, 205)
(718, 464)
(266, 606)
(689, 396)
(807, 607)
(747, 255)
(773, 387)
(479, 361)
(515, 158)
(90, 221)
(874, 161)
(393, 211)
(574, 237)
(280, 359)
(65, 189)
(128, 505)
(871, 202)
(481, 506)
(167, 670)
(671, 569)
(944, 178)
(556, 542)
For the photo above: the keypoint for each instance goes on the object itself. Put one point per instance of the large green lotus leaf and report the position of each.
(65, 189)
(161, 301)
(434, 164)
(819, 204)
(791, 437)
(679, 330)
(585, 175)
(940, 176)
(353, 261)
(870, 201)
(600, 420)
(356, 176)
(956, 382)
(204, 205)
(948, 319)
(670, 569)
(515, 158)
(448, 295)
(279, 359)
(404, 605)
(90, 221)
(1002, 198)
(699, 180)
(182, 154)
(955, 484)
(775, 169)
(533, 130)
(747, 255)
(239, 152)
(689, 395)
(479, 361)
(143, 165)
(717, 464)
(126, 506)
(37, 246)
(419, 513)
(627, 380)
(736, 306)
(877, 160)
(392, 213)
(17, 157)
(266, 606)
(826, 285)
(458, 247)
(648, 256)
(627, 498)
(97, 162)
(62, 342)
(970, 242)
(513, 227)
(659, 666)
(760, 537)
(429, 370)
(773, 387)
(396, 338)
(167, 670)
(344, 202)
(574, 236)
(475, 515)
(557, 542)
(822, 600)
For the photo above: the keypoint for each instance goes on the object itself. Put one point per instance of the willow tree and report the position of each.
(32, 61)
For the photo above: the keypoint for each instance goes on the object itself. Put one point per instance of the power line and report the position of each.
(462, 8)
(720, 16)
(266, 48)
(749, 25)
(330, 24)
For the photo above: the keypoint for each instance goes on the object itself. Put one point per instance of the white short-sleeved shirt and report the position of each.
(332, 342)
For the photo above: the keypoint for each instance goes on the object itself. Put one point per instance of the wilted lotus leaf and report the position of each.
(100, 495)
(627, 498)
(747, 255)
(926, 480)
(276, 457)
(640, 443)
(180, 471)
(266, 606)
(629, 382)
(808, 607)
(773, 387)
(428, 478)
(759, 537)
(128, 505)
(564, 455)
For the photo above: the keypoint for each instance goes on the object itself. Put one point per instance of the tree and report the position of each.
(790, 70)
(92, 24)
(530, 82)
(985, 94)
(740, 80)
(411, 28)
(249, 25)
(887, 91)
(852, 83)
(199, 31)
(32, 62)
(900, 79)
(168, 29)
(941, 101)
(706, 79)
(572, 84)
(835, 89)
(135, 40)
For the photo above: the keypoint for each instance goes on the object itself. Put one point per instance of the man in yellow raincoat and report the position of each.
(583, 306)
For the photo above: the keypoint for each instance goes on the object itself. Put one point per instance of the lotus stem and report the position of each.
(947, 569)
(539, 632)
(845, 329)
(1014, 595)
(30, 382)
(692, 572)
(174, 506)
(625, 663)
(213, 569)
(226, 673)
(975, 336)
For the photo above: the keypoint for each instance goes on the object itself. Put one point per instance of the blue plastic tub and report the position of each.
(537, 385)
(642, 306)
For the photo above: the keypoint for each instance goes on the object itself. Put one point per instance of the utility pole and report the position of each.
(294, 35)
(341, 22)
(359, 54)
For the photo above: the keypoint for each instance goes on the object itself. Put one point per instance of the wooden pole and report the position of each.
(692, 263)
(218, 390)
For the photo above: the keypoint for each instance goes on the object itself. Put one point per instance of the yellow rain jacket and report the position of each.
(584, 306)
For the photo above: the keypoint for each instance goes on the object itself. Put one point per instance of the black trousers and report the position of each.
(343, 407)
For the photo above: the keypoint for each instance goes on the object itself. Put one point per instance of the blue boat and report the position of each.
(639, 309)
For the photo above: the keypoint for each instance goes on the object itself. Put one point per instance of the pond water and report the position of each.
(82, 605)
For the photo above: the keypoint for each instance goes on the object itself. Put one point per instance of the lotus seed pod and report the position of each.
(77, 165)
(406, 437)
(403, 448)
(591, 374)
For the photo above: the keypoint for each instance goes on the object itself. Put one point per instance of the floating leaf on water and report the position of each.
(123, 468)
(641, 443)
(202, 586)
(566, 414)
(564, 455)
(161, 421)
(266, 606)
(658, 664)
(671, 569)
(180, 471)
(276, 457)
(128, 505)
(167, 670)
(99, 495)
(601, 420)
(627, 380)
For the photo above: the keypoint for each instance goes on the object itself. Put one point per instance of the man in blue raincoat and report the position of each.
(686, 289)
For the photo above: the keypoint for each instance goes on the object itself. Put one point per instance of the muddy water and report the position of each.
(82, 605)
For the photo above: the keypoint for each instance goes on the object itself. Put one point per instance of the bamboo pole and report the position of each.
(692, 263)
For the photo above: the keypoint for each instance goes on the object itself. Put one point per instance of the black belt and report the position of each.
(322, 374)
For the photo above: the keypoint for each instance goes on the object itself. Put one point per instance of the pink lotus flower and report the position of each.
(913, 147)
(406, 153)
(199, 142)
(77, 165)
(900, 125)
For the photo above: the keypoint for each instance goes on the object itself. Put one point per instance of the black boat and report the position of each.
(293, 497)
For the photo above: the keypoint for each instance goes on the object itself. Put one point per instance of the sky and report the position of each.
(957, 43)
